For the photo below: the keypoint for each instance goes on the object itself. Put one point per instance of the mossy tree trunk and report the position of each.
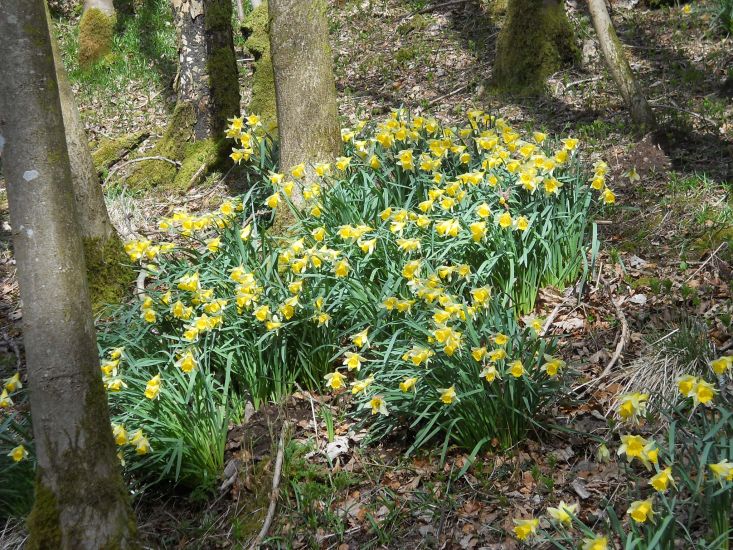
(305, 88)
(207, 94)
(81, 500)
(105, 257)
(256, 29)
(96, 30)
(207, 68)
(535, 42)
(613, 53)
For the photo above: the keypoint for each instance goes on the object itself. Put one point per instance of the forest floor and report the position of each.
(664, 285)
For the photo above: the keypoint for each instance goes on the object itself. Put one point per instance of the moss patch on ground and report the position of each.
(109, 151)
(96, 30)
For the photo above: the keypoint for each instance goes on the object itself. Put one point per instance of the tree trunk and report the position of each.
(207, 67)
(240, 10)
(81, 500)
(105, 258)
(305, 88)
(613, 53)
(207, 94)
(96, 30)
(534, 43)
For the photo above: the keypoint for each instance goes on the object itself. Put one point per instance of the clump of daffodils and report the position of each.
(403, 282)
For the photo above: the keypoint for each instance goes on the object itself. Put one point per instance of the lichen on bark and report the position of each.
(536, 41)
(96, 30)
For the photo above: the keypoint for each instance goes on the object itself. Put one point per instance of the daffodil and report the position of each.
(631, 406)
(13, 383)
(341, 268)
(595, 543)
(407, 384)
(641, 510)
(142, 445)
(360, 339)
(478, 230)
(359, 386)
(505, 220)
(447, 395)
(152, 388)
(516, 368)
(525, 528)
(552, 365)
(483, 210)
(335, 380)
(722, 364)
(119, 433)
(187, 362)
(564, 513)
(352, 360)
(702, 393)
(18, 453)
(213, 245)
(378, 405)
(489, 373)
(685, 384)
(662, 479)
(723, 471)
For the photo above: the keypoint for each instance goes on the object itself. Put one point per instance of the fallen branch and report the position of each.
(275, 487)
(555, 312)
(123, 164)
(449, 94)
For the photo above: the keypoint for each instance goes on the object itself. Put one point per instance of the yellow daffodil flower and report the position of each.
(447, 395)
(335, 380)
(525, 528)
(641, 510)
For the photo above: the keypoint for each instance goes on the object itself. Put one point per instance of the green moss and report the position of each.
(535, 42)
(221, 67)
(96, 30)
(109, 151)
(257, 26)
(107, 273)
(713, 239)
(43, 521)
(205, 153)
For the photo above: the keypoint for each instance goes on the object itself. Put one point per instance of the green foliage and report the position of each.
(723, 19)
(16, 478)
(144, 50)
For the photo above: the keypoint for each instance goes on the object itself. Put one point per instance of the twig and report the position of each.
(582, 81)
(449, 94)
(722, 245)
(197, 175)
(551, 318)
(140, 159)
(275, 487)
(622, 340)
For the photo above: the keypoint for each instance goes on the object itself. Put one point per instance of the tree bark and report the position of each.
(91, 211)
(534, 43)
(96, 30)
(81, 500)
(207, 67)
(305, 89)
(641, 113)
